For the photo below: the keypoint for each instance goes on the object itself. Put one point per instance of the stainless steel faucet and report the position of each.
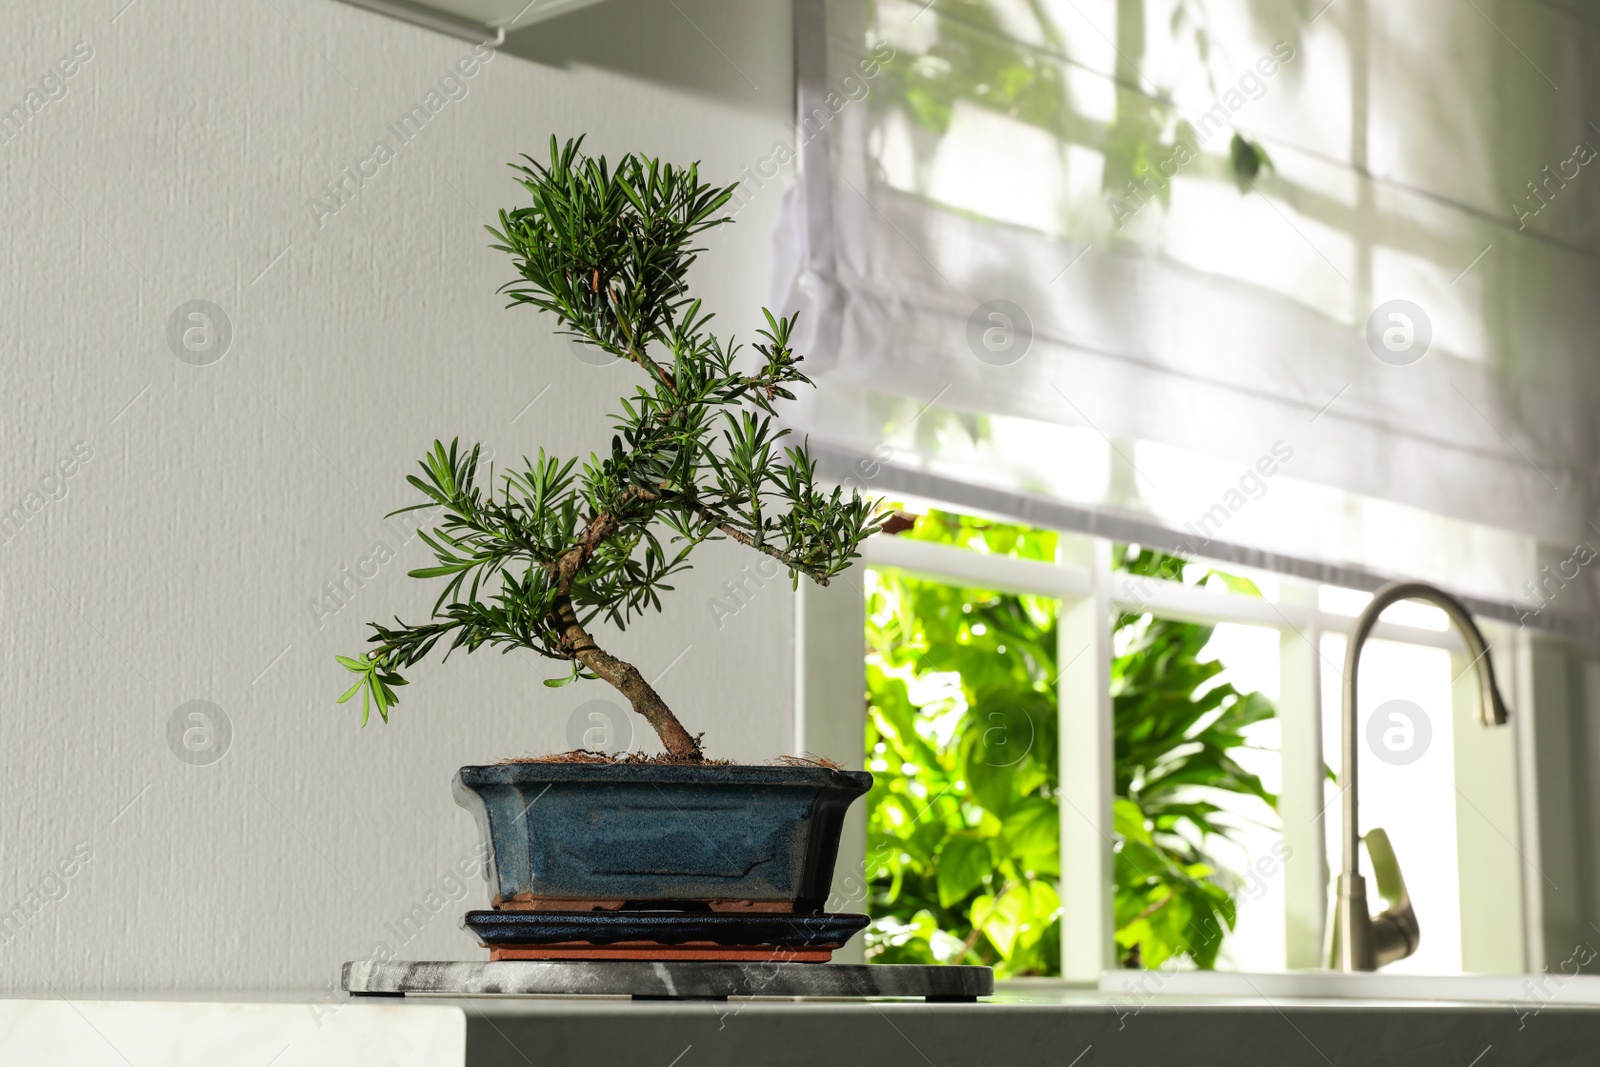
(1358, 940)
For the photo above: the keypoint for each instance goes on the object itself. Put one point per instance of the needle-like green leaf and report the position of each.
(695, 456)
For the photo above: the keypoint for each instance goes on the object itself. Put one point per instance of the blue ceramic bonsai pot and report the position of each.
(575, 836)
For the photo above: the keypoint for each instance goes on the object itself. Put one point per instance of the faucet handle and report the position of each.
(1395, 932)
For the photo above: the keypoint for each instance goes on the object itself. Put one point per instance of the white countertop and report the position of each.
(311, 1032)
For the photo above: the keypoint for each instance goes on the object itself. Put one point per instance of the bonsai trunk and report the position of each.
(630, 683)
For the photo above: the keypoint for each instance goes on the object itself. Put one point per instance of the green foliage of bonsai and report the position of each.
(532, 561)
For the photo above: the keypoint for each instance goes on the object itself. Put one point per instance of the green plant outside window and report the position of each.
(963, 826)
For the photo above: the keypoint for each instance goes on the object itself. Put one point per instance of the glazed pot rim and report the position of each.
(711, 774)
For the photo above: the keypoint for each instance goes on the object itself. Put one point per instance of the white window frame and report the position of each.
(1496, 811)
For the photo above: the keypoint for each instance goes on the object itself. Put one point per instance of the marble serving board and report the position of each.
(685, 980)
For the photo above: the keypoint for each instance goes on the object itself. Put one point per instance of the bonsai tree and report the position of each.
(534, 558)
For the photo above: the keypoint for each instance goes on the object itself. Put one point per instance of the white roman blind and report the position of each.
(1026, 262)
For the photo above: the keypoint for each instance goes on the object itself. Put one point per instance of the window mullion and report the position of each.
(1086, 776)
(1303, 809)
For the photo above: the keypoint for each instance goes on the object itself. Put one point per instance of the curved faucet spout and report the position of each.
(1353, 942)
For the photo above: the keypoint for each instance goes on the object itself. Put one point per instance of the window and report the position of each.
(984, 639)
(963, 844)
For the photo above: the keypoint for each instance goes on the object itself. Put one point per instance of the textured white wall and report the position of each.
(216, 501)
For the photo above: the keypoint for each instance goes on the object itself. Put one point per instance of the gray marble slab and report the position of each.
(672, 980)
